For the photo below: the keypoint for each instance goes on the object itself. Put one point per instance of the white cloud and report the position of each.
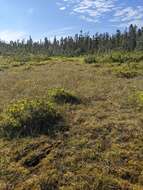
(89, 19)
(8, 35)
(95, 10)
(90, 10)
(128, 15)
(62, 8)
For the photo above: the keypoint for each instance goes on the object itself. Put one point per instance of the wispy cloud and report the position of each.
(89, 19)
(128, 15)
(62, 8)
(89, 10)
(95, 10)
(8, 35)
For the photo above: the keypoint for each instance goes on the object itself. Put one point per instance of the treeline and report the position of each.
(129, 40)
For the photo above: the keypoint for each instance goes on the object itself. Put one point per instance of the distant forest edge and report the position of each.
(81, 44)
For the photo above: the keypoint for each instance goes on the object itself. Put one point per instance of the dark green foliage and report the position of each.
(29, 117)
(61, 96)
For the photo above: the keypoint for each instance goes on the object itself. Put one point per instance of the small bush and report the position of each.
(126, 72)
(90, 59)
(120, 58)
(28, 117)
(61, 96)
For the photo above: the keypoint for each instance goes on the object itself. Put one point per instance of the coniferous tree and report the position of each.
(129, 40)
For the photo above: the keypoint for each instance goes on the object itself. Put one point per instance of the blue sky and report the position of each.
(39, 18)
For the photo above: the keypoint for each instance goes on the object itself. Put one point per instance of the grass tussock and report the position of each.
(61, 96)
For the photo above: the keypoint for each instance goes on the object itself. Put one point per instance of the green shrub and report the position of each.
(61, 96)
(124, 57)
(28, 117)
(90, 59)
(120, 58)
(126, 72)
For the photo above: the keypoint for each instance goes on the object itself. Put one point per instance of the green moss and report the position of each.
(61, 96)
(28, 117)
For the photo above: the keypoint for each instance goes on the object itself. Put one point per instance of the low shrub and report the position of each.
(126, 72)
(61, 96)
(29, 117)
(90, 59)
(119, 58)
(122, 57)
